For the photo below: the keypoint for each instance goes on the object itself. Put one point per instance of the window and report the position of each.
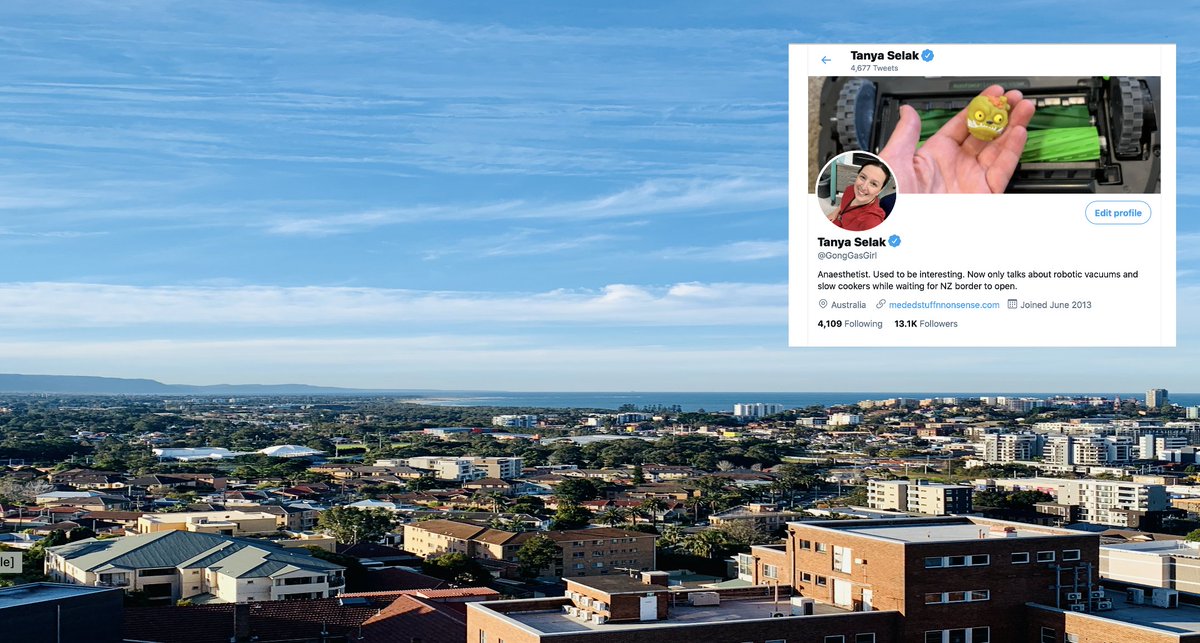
(975, 560)
(968, 596)
(821, 581)
(805, 544)
(1020, 557)
(838, 638)
(482, 636)
(1070, 554)
(1049, 635)
(770, 571)
(968, 635)
(842, 559)
(821, 548)
(805, 577)
(868, 637)
(1045, 557)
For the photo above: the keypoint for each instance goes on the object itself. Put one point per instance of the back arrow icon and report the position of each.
(824, 60)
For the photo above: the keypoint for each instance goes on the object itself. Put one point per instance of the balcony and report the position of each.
(113, 583)
(336, 581)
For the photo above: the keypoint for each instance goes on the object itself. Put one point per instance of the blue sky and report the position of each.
(517, 195)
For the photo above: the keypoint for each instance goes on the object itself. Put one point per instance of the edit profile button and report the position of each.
(1117, 212)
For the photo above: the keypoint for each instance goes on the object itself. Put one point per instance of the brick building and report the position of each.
(922, 580)
(583, 552)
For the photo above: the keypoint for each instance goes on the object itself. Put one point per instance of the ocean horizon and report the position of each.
(714, 401)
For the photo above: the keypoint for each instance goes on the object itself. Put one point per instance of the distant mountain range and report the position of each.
(85, 385)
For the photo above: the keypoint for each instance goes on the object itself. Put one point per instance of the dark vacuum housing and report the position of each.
(860, 113)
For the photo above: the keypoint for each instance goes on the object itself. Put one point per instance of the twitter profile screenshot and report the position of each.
(981, 195)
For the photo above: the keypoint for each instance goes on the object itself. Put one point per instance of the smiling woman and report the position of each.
(857, 191)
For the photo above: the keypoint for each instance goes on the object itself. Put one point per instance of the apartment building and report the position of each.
(925, 580)
(1103, 502)
(918, 497)
(756, 410)
(1088, 450)
(172, 565)
(467, 468)
(226, 523)
(1001, 448)
(582, 552)
(515, 421)
(1113, 502)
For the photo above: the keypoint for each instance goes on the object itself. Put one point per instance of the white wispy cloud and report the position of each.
(657, 197)
(81, 305)
(735, 251)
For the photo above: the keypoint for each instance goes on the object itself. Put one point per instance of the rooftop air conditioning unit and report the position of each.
(1104, 604)
(599, 619)
(778, 615)
(1097, 594)
(1078, 607)
(1136, 595)
(704, 598)
(1074, 596)
(1165, 598)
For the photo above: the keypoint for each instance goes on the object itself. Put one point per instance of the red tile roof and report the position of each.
(408, 617)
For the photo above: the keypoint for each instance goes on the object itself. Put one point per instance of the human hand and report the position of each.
(952, 161)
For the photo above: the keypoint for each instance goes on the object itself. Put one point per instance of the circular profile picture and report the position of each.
(856, 190)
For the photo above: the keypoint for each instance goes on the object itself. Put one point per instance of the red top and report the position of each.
(858, 217)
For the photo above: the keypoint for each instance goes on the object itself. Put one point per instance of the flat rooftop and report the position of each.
(1184, 619)
(556, 622)
(942, 529)
(40, 592)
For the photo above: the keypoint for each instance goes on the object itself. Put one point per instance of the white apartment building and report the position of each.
(443, 468)
(468, 468)
(515, 421)
(756, 410)
(1087, 450)
(1101, 502)
(1111, 502)
(845, 419)
(1011, 447)
(1153, 447)
(918, 497)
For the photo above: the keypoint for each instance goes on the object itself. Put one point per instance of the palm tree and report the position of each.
(706, 543)
(613, 516)
(654, 506)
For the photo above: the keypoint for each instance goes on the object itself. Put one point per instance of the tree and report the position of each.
(456, 568)
(571, 517)
(654, 507)
(349, 525)
(575, 490)
(744, 533)
(613, 516)
(1193, 536)
(639, 475)
(538, 553)
(705, 544)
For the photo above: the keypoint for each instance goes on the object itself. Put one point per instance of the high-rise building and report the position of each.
(1193, 412)
(1156, 398)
